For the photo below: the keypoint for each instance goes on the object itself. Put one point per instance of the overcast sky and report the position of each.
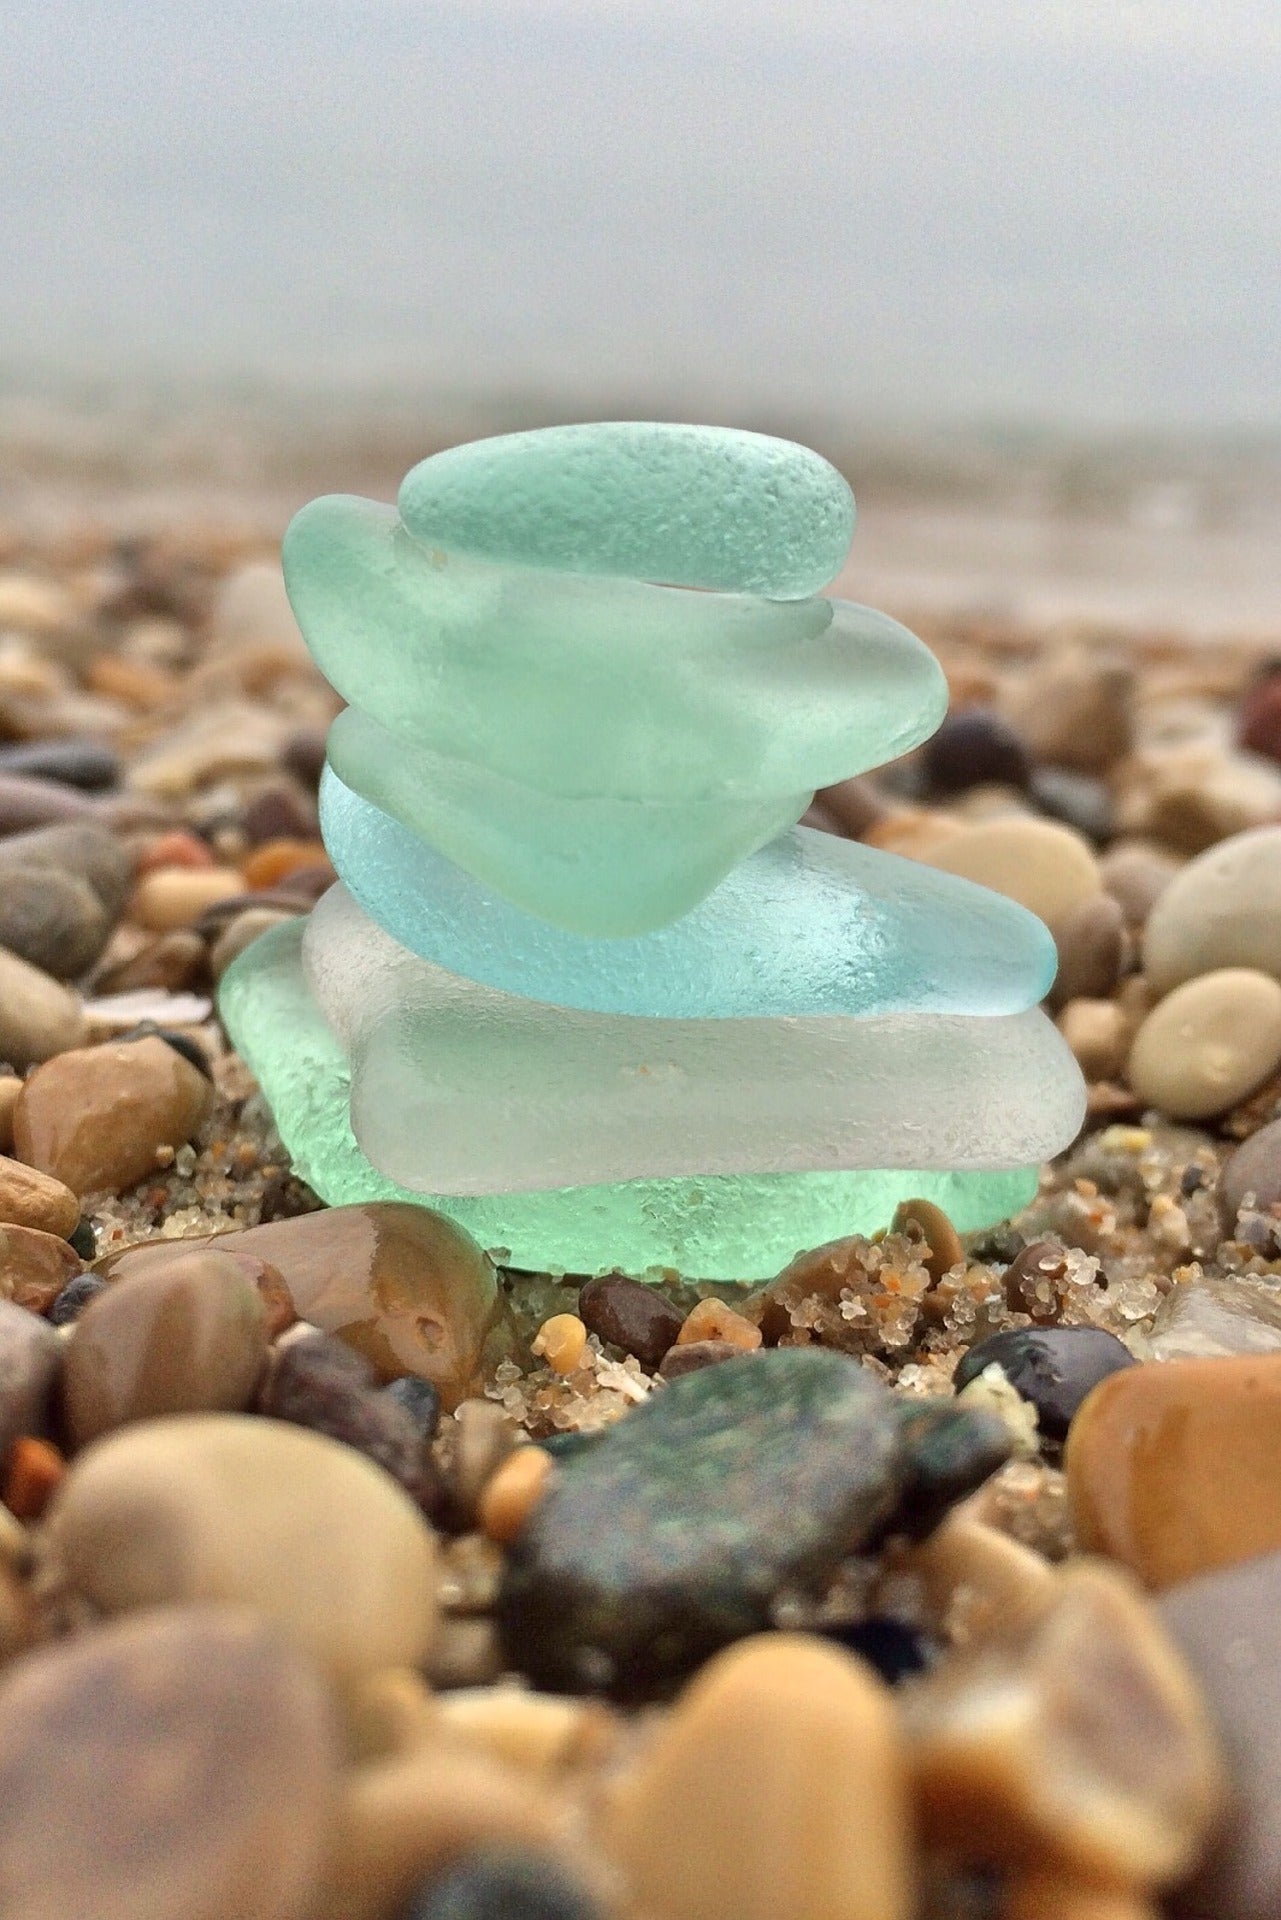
(1046, 209)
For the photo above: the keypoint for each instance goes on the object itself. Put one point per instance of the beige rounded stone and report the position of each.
(95, 1117)
(177, 896)
(1208, 1044)
(1045, 867)
(29, 1198)
(1074, 707)
(180, 1766)
(227, 1507)
(1099, 1035)
(189, 1336)
(1136, 873)
(774, 1790)
(982, 1588)
(38, 1016)
(1222, 910)
(540, 1733)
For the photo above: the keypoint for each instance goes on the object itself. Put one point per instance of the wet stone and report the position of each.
(320, 1383)
(183, 1766)
(503, 1886)
(30, 1360)
(1052, 1367)
(1091, 943)
(630, 1315)
(95, 1117)
(1075, 799)
(736, 1482)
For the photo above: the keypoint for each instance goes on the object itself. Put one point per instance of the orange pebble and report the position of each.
(275, 860)
(132, 682)
(713, 1320)
(35, 1468)
(512, 1492)
(560, 1341)
(174, 850)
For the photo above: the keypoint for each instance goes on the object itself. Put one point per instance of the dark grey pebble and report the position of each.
(502, 1885)
(321, 1383)
(30, 1363)
(89, 765)
(1052, 1367)
(974, 748)
(53, 921)
(896, 1650)
(420, 1399)
(74, 1298)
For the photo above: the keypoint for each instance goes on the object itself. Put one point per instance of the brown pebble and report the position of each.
(853, 806)
(172, 961)
(981, 1587)
(694, 1355)
(30, 1361)
(1047, 868)
(512, 1492)
(1136, 874)
(189, 1336)
(177, 896)
(1171, 1469)
(95, 1116)
(32, 1199)
(34, 1471)
(38, 1016)
(629, 1314)
(321, 1383)
(713, 1320)
(1031, 1281)
(943, 1243)
(741, 1803)
(561, 1342)
(1099, 1035)
(10, 1088)
(1049, 1896)
(182, 1766)
(467, 1653)
(152, 1255)
(483, 1438)
(54, 921)
(1091, 944)
(35, 1267)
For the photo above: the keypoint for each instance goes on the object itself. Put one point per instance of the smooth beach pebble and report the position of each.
(1215, 1316)
(51, 920)
(1222, 910)
(84, 851)
(942, 1241)
(95, 1117)
(1172, 1469)
(38, 1017)
(1136, 874)
(1051, 1367)
(32, 1199)
(774, 1790)
(231, 1507)
(35, 1266)
(561, 1342)
(241, 933)
(503, 1886)
(1086, 1746)
(1091, 942)
(89, 765)
(1252, 1172)
(1075, 708)
(981, 1587)
(630, 1315)
(1045, 867)
(974, 748)
(166, 1256)
(187, 1338)
(1208, 1043)
(512, 1492)
(1099, 1034)
(715, 1320)
(324, 1385)
(30, 1361)
(181, 1766)
(177, 896)
(26, 802)
(694, 1355)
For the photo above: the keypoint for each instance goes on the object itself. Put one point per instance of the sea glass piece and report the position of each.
(728, 1228)
(810, 924)
(458, 1088)
(695, 506)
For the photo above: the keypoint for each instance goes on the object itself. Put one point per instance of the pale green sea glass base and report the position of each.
(724, 1228)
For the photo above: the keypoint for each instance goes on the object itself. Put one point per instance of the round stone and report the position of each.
(1253, 1169)
(52, 920)
(1045, 867)
(32, 1199)
(323, 1385)
(229, 1507)
(1091, 943)
(85, 852)
(94, 1117)
(1052, 1367)
(1208, 1044)
(189, 1336)
(1222, 910)
(38, 1017)
(975, 748)
(630, 1315)
(30, 1360)
(503, 1886)
(1136, 875)
(183, 1765)
(35, 1266)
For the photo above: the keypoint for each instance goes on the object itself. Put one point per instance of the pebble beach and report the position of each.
(347, 1573)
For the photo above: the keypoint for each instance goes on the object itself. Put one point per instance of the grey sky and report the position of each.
(1045, 208)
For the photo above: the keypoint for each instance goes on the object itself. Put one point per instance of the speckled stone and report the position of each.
(1052, 1367)
(95, 1117)
(736, 1481)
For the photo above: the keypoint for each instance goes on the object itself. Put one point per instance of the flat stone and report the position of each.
(630, 1315)
(183, 1766)
(1171, 1469)
(38, 1017)
(26, 802)
(89, 765)
(737, 1481)
(32, 1199)
(30, 1361)
(775, 1789)
(35, 1266)
(503, 1886)
(1211, 1318)
(1208, 1044)
(1052, 1367)
(1228, 1627)
(231, 1507)
(1254, 1168)
(94, 1117)
(1222, 910)
(189, 1336)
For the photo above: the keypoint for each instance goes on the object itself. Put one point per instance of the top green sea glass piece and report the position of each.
(686, 506)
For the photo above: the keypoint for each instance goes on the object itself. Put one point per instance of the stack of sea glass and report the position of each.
(587, 986)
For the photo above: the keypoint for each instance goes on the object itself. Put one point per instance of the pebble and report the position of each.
(273, 863)
(943, 1249)
(628, 1314)
(177, 896)
(892, 1649)
(282, 811)
(95, 1117)
(1253, 1169)
(974, 748)
(52, 921)
(10, 1088)
(774, 1790)
(38, 1017)
(1086, 1748)
(35, 1469)
(1228, 1627)
(541, 1733)
(26, 802)
(390, 1712)
(512, 1492)
(1215, 1316)
(35, 1267)
(505, 1885)
(1208, 1044)
(1076, 799)
(713, 1319)
(32, 1199)
(1051, 1367)
(1092, 951)
(321, 1384)
(981, 1588)
(158, 1255)
(1259, 717)
(30, 1362)
(70, 1302)
(1136, 874)
(738, 1481)
(1076, 708)
(1100, 1034)
(850, 807)
(241, 933)
(466, 1653)
(231, 1507)
(561, 1341)
(1171, 1469)
(84, 852)
(89, 765)
(693, 1355)
(483, 1438)
(420, 1399)
(1045, 867)
(1188, 797)
(182, 1766)
(1222, 910)
(171, 962)
(189, 1336)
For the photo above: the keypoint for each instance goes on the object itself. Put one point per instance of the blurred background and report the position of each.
(1014, 267)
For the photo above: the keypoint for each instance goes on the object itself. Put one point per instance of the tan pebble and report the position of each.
(35, 1267)
(95, 1117)
(10, 1088)
(38, 1016)
(171, 961)
(31, 604)
(1222, 910)
(750, 1781)
(389, 1713)
(1087, 1748)
(561, 1342)
(1190, 797)
(916, 835)
(1208, 1044)
(714, 1320)
(1093, 945)
(471, 1568)
(512, 1492)
(189, 1336)
(241, 933)
(483, 1438)
(177, 896)
(982, 1587)
(1136, 873)
(1099, 1035)
(221, 740)
(161, 1256)
(1047, 868)
(32, 1199)
(401, 1820)
(539, 1733)
(182, 1766)
(943, 1243)
(1048, 1896)
(1075, 707)
(229, 1507)
(466, 1654)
